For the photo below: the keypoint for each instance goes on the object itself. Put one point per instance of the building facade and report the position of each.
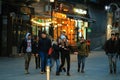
(77, 20)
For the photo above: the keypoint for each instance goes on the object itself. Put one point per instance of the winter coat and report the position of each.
(65, 49)
(44, 45)
(23, 46)
(110, 46)
(82, 49)
(118, 46)
(55, 54)
(36, 49)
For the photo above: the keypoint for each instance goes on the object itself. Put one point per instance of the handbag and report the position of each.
(50, 51)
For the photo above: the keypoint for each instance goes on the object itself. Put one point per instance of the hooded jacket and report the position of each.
(23, 45)
(82, 49)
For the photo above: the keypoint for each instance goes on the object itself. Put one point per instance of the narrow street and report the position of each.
(96, 69)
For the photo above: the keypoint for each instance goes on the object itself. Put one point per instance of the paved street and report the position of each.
(96, 69)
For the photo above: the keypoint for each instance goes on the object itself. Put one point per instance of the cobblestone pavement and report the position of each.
(96, 68)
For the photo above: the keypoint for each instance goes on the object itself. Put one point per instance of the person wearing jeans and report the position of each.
(82, 54)
(81, 60)
(112, 62)
(55, 56)
(44, 45)
(111, 51)
(43, 61)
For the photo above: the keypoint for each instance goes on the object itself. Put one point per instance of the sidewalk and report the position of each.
(96, 69)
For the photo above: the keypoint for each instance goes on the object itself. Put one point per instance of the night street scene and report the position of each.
(60, 40)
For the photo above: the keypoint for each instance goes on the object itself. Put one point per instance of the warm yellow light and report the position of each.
(43, 23)
(71, 30)
(65, 10)
(63, 22)
(51, 0)
(80, 11)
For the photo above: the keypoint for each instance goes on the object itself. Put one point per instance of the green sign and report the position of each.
(89, 30)
(39, 20)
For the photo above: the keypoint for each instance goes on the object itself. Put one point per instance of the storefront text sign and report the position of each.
(80, 11)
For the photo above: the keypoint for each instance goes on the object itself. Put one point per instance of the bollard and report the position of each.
(48, 69)
(48, 72)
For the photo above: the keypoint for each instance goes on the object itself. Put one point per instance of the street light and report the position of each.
(117, 11)
(109, 6)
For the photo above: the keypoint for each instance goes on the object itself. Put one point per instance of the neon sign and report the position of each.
(80, 11)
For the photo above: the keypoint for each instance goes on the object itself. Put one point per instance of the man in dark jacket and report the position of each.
(110, 49)
(44, 45)
(118, 44)
(27, 48)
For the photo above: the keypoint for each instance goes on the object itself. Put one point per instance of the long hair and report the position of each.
(64, 42)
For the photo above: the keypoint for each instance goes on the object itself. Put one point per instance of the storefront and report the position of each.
(72, 20)
(39, 24)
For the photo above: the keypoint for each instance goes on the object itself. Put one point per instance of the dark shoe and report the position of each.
(68, 74)
(114, 71)
(45, 71)
(57, 73)
(82, 71)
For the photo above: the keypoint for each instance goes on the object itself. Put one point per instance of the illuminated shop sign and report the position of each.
(80, 11)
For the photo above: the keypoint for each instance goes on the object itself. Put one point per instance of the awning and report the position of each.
(77, 17)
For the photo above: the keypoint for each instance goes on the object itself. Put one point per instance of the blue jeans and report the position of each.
(43, 57)
(57, 64)
(81, 61)
(112, 57)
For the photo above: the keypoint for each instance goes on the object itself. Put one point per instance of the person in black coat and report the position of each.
(118, 44)
(65, 55)
(27, 47)
(36, 52)
(44, 45)
(111, 51)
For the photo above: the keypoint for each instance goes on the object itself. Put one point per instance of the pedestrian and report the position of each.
(36, 52)
(55, 55)
(44, 45)
(118, 44)
(65, 55)
(110, 49)
(82, 54)
(27, 47)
